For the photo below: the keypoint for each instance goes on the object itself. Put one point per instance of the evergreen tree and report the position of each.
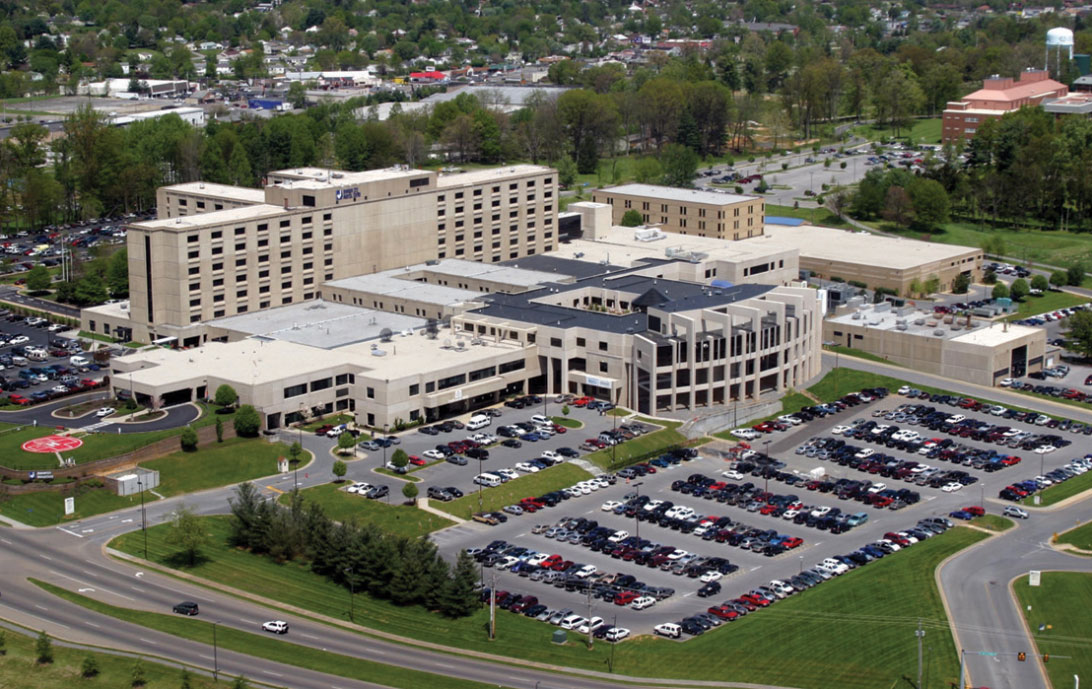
(43, 647)
(239, 171)
(460, 596)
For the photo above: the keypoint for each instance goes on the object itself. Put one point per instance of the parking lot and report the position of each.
(983, 468)
(39, 363)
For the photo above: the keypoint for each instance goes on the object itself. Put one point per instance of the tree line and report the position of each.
(404, 571)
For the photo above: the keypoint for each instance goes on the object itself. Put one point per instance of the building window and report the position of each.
(602, 346)
(295, 390)
(602, 367)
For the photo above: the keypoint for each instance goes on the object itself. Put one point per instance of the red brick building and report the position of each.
(998, 96)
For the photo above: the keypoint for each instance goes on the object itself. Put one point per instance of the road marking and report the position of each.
(87, 531)
(70, 533)
(84, 583)
(241, 619)
(126, 521)
(139, 574)
(309, 636)
(4, 540)
(206, 657)
(92, 624)
(41, 607)
(137, 589)
(30, 614)
(270, 672)
(85, 589)
(45, 557)
(275, 490)
(149, 641)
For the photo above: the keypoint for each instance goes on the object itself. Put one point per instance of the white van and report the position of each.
(478, 421)
(540, 420)
(79, 361)
(488, 480)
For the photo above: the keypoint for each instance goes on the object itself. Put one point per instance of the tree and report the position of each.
(89, 667)
(219, 430)
(897, 206)
(932, 285)
(915, 289)
(1075, 273)
(137, 677)
(1059, 279)
(3, 643)
(1000, 291)
(632, 218)
(1039, 282)
(297, 94)
(43, 648)
(188, 438)
(839, 202)
(399, 459)
(294, 452)
(930, 203)
(240, 683)
(239, 170)
(460, 598)
(648, 170)
(1019, 289)
(566, 171)
(1078, 333)
(225, 396)
(410, 491)
(187, 533)
(961, 283)
(345, 442)
(38, 279)
(565, 410)
(340, 469)
(247, 422)
(680, 165)
(184, 681)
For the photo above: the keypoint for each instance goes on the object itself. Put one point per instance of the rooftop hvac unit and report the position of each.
(856, 315)
(649, 234)
(938, 332)
(919, 321)
(901, 326)
(378, 352)
(956, 327)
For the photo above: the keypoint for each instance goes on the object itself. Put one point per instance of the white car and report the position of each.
(952, 487)
(358, 487)
(790, 419)
(586, 571)
(105, 411)
(711, 575)
(732, 474)
(433, 454)
(618, 536)
(746, 433)
(591, 625)
(840, 429)
(550, 454)
(18, 340)
(506, 474)
(526, 467)
(790, 514)
(275, 627)
(617, 634)
(643, 602)
(877, 487)
(609, 505)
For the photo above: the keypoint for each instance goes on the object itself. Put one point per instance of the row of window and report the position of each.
(496, 189)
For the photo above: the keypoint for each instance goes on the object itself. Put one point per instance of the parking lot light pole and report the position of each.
(637, 521)
(613, 644)
(143, 514)
(766, 487)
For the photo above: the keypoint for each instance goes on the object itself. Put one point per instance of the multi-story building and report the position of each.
(997, 96)
(687, 211)
(217, 251)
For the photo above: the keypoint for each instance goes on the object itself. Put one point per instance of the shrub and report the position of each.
(226, 396)
(247, 422)
(188, 439)
(44, 648)
(90, 667)
(410, 491)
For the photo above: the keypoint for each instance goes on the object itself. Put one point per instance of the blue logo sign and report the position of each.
(347, 194)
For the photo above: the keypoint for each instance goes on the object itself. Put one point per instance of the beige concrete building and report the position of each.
(875, 260)
(217, 251)
(973, 350)
(687, 211)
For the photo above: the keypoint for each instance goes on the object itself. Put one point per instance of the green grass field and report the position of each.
(47, 508)
(566, 422)
(792, 644)
(233, 461)
(404, 520)
(815, 216)
(993, 522)
(641, 446)
(20, 669)
(554, 478)
(1080, 537)
(1061, 605)
(926, 131)
(1061, 491)
(280, 649)
(1048, 301)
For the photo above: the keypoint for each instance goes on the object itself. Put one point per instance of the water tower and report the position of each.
(1058, 41)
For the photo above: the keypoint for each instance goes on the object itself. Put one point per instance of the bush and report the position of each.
(861, 285)
(340, 469)
(219, 430)
(565, 410)
(632, 218)
(89, 668)
(188, 439)
(247, 422)
(399, 459)
(226, 396)
(1000, 291)
(136, 675)
(410, 491)
(842, 165)
(95, 482)
(44, 648)
(784, 166)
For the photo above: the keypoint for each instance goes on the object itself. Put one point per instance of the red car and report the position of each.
(792, 542)
(582, 401)
(20, 400)
(625, 598)
(414, 459)
(560, 430)
(976, 510)
(724, 612)
(759, 601)
(596, 442)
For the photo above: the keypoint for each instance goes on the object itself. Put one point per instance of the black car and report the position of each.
(512, 442)
(186, 607)
(454, 492)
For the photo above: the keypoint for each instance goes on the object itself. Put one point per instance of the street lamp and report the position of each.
(215, 655)
(766, 474)
(349, 578)
(143, 514)
(636, 520)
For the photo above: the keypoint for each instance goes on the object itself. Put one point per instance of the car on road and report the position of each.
(103, 412)
(275, 627)
(1014, 511)
(187, 607)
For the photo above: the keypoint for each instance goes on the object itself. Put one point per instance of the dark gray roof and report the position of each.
(561, 266)
(671, 295)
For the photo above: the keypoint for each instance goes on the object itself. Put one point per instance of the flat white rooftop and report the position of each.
(386, 285)
(507, 274)
(981, 332)
(226, 191)
(458, 179)
(211, 219)
(321, 178)
(655, 191)
(620, 246)
(829, 244)
(318, 323)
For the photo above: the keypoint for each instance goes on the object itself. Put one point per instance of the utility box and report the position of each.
(559, 636)
(132, 482)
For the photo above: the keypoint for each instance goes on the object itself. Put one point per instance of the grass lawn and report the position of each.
(20, 668)
(397, 477)
(926, 131)
(867, 651)
(1060, 603)
(404, 520)
(554, 478)
(334, 420)
(1080, 537)
(992, 522)
(1061, 491)
(566, 422)
(47, 508)
(1048, 301)
(815, 216)
(619, 411)
(233, 461)
(665, 423)
(640, 447)
(268, 647)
